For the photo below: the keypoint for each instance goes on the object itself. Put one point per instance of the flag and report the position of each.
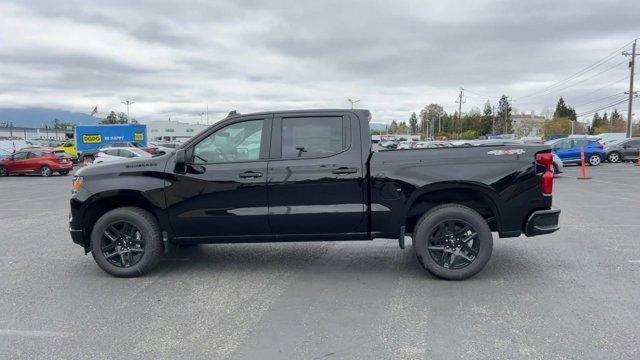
(94, 111)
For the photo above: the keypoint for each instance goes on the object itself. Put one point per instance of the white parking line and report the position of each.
(634, 261)
(33, 333)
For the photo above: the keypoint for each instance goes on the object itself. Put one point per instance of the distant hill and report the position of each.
(378, 126)
(35, 117)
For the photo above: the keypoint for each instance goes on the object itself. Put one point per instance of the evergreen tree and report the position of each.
(503, 117)
(564, 111)
(393, 128)
(596, 122)
(413, 123)
(486, 124)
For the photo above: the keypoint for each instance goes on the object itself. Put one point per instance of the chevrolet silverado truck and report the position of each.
(311, 176)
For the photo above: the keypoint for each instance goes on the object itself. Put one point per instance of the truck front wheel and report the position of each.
(452, 242)
(126, 242)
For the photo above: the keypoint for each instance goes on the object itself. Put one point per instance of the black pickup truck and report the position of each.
(311, 176)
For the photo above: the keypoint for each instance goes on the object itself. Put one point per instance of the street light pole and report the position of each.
(353, 102)
(127, 103)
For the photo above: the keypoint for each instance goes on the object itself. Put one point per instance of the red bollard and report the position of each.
(583, 166)
(638, 162)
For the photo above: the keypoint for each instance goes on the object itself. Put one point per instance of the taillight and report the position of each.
(546, 160)
(600, 145)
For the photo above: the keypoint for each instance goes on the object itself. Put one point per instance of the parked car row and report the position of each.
(40, 160)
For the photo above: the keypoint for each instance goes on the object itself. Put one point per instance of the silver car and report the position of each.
(557, 165)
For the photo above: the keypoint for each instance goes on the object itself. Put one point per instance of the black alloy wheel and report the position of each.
(3, 171)
(122, 244)
(453, 244)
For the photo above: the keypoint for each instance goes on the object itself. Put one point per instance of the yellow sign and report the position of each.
(138, 136)
(92, 138)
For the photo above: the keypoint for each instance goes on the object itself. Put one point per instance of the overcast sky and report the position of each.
(396, 56)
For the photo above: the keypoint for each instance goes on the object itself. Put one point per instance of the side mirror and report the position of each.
(181, 162)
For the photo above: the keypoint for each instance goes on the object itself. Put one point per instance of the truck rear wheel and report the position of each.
(452, 242)
(126, 242)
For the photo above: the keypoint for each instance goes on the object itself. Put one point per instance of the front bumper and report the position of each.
(542, 222)
(77, 236)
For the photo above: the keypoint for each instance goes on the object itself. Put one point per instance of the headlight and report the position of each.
(77, 183)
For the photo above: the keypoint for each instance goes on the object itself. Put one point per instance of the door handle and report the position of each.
(344, 170)
(250, 174)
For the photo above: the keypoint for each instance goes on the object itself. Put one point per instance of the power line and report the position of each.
(617, 102)
(600, 99)
(577, 74)
(579, 82)
(606, 85)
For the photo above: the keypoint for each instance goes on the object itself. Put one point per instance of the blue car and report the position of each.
(568, 150)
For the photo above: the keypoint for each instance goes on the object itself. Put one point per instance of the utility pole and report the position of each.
(127, 103)
(439, 124)
(353, 102)
(207, 114)
(632, 64)
(201, 115)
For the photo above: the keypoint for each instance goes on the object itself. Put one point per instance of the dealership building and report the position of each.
(167, 130)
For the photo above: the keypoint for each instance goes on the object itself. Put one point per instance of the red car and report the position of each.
(44, 161)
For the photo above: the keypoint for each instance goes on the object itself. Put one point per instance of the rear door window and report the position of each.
(313, 137)
(35, 154)
(20, 156)
(633, 143)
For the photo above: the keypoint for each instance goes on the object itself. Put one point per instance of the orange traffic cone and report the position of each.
(583, 166)
(638, 160)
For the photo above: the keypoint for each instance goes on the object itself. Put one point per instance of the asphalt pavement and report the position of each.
(574, 294)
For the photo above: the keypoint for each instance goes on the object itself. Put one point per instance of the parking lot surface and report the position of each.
(574, 294)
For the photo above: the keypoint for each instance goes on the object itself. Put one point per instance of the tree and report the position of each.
(57, 124)
(393, 128)
(503, 117)
(618, 124)
(113, 118)
(557, 126)
(413, 123)
(486, 124)
(562, 110)
(595, 123)
(429, 114)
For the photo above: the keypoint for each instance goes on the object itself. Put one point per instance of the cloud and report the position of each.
(173, 57)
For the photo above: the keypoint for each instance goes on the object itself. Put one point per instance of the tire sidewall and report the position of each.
(149, 231)
(452, 212)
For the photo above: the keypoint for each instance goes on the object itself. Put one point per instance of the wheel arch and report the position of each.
(100, 203)
(476, 196)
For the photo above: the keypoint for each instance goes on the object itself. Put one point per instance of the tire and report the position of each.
(594, 160)
(46, 171)
(149, 240)
(63, 173)
(3, 171)
(430, 224)
(614, 157)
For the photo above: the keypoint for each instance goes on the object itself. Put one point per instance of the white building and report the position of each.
(527, 125)
(174, 131)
